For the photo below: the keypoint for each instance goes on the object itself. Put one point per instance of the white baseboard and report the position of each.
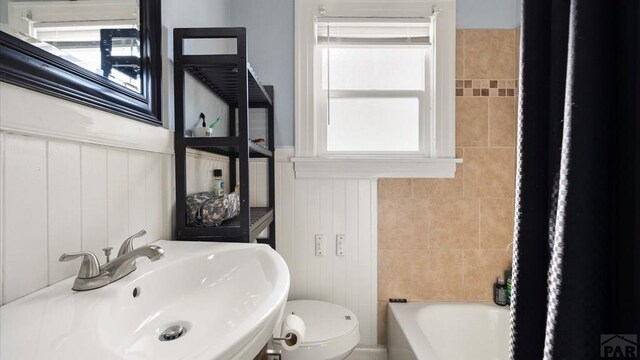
(369, 353)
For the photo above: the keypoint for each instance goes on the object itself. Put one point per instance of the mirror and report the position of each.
(104, 53)
(101, 36)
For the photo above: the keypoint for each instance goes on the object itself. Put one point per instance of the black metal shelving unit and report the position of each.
(231, 78)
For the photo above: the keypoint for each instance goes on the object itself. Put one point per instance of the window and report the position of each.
(374, 89)
(374, 86)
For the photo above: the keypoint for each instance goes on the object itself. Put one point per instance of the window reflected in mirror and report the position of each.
(102, 36)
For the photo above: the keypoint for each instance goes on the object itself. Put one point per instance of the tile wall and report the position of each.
(448, 239)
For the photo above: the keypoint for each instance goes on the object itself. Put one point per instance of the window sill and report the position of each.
(371, 168)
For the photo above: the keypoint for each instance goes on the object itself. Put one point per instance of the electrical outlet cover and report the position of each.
(340, 244)
(319, 244)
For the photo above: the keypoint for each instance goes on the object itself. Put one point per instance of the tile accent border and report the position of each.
(494, 87)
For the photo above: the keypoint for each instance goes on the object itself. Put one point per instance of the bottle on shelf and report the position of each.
(507, 275)
(217, 187)
(500, 292)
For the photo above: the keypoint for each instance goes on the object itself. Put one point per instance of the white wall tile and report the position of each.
(64, 210)
(25, 227)
(95, 218)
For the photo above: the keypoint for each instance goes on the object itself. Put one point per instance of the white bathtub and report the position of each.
(447, 331)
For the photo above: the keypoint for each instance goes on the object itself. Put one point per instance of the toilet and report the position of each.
(332, 331)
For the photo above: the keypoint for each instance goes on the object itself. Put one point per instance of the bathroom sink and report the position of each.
(225, 298)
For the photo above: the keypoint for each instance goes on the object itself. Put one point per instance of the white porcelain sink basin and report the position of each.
(228, 297)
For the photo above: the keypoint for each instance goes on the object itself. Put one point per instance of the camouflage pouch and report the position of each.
(206, 209)
(232, 203)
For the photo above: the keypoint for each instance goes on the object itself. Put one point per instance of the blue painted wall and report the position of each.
(488, 14)
(270, 42)
(270, 26)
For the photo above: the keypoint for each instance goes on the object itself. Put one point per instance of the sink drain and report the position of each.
(172, 333)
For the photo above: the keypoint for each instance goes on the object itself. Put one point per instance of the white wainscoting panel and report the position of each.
(117, 196)
(159, 216)
(258, 183)
(2, 170)
(64, 211)
(137, 191)
(94, 197)
(306, 207)
(200, 166)
(65, 196)
(25, 258)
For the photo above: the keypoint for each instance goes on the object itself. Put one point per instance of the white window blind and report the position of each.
(365, 31)
(374, 81)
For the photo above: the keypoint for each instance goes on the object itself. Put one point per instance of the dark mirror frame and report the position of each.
(25, 65)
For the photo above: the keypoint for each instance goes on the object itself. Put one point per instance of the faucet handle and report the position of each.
(90, 266)
(107, 252)
(127, 245)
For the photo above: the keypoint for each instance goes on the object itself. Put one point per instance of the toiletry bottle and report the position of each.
(500, 292)
(218, 183)
(507, 275)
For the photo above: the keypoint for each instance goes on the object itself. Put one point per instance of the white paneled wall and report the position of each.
(67, 196)
(25, 258)
(258, 183)
(200, 166)
(2, 227)
(64, 206)
(306, 207)
(63, 196)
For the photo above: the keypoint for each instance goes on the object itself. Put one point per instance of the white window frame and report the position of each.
(436, 157)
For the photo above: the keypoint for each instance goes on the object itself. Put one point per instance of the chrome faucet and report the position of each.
(92, 275)
(125, 263)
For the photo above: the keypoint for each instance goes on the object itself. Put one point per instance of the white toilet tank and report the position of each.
(332, 331)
